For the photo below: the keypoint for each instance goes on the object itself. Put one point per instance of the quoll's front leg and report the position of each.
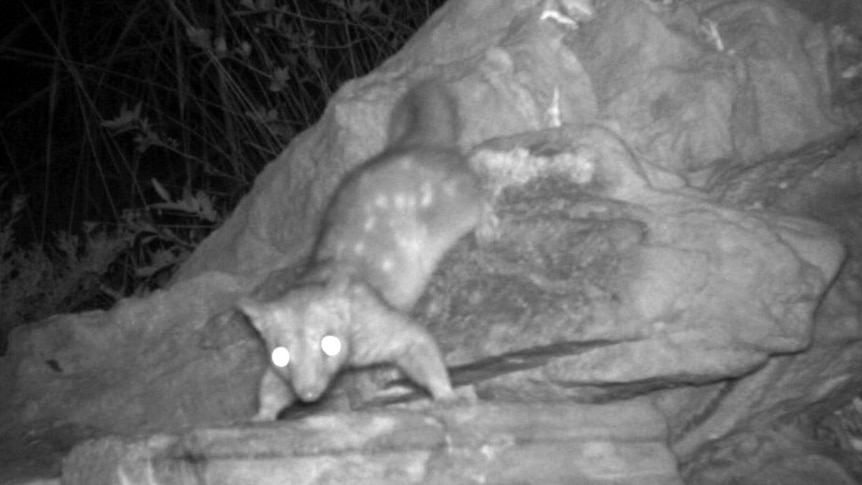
(274, 395)
(423, 363)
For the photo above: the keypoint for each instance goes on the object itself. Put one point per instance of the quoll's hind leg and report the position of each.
(274, 396)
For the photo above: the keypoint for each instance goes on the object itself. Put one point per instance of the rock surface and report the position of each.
(511, 443)
(651, 234)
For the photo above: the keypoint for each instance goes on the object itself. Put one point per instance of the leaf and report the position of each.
(125, 119)
(200, 37)
(244, 49)
(221, 46)
(279, 79)
(161, 190)
(358, 7)
(205, 205)
(160, 259)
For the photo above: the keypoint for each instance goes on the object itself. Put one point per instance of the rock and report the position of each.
(639, 244)
(502, 443)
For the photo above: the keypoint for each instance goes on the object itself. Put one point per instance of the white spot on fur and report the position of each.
(407, 163)
(359, 248)
(404, 201)
(426, 194)
(450, 188)
(387, 265)
(369, 224)
(381, 201)
(412, 242)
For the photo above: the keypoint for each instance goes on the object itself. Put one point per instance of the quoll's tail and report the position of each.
(427, 116)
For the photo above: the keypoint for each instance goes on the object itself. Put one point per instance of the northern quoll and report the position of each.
(385, 231)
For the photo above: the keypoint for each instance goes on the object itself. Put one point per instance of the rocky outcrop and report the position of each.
(659, 229)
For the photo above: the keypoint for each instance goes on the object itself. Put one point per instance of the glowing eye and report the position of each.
(280, 357)
(330, 345)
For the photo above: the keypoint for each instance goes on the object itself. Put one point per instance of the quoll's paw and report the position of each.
(273, 396)
(263, 416)
(462, 396)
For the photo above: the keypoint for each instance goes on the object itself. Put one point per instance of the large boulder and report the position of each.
(647, 238)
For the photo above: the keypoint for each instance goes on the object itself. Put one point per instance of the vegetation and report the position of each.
(132, 127)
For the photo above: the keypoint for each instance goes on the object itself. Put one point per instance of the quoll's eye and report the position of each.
(330, 345)
(280, 357)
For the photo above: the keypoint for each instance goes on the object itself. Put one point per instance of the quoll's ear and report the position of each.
(336, 301)
(338, 284)
(340, 305)
(253, 310)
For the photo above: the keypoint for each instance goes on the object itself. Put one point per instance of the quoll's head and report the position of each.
(304, 336)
